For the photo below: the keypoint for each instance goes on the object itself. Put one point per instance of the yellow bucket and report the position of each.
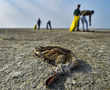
(35, 27)
(74, 23)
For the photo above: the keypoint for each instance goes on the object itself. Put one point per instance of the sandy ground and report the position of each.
(19, 70)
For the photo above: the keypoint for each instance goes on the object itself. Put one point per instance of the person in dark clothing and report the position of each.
(48, 26)
(39, 23)
(77, 13)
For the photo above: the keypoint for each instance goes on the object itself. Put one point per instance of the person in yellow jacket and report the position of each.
(75, 22)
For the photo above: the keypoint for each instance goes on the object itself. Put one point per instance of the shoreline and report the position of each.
(98, 30)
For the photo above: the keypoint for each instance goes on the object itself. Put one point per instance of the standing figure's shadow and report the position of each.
(59, 84)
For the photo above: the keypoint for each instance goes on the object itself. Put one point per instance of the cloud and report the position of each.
(10, 15)
(26, 12)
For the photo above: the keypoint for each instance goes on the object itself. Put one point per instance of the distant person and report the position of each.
(75, 22)
(84, 21)
(39, 23)
(48, 26)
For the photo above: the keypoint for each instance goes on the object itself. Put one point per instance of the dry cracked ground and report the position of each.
(19, 70)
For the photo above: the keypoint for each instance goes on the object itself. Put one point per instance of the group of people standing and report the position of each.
(81, 16)
(39, 22)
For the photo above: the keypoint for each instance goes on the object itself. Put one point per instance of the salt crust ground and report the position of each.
(19, 70)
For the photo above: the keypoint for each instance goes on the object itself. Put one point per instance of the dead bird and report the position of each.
(54, 54)
(64, 59)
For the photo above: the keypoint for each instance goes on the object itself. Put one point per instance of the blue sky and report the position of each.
(24, 13)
